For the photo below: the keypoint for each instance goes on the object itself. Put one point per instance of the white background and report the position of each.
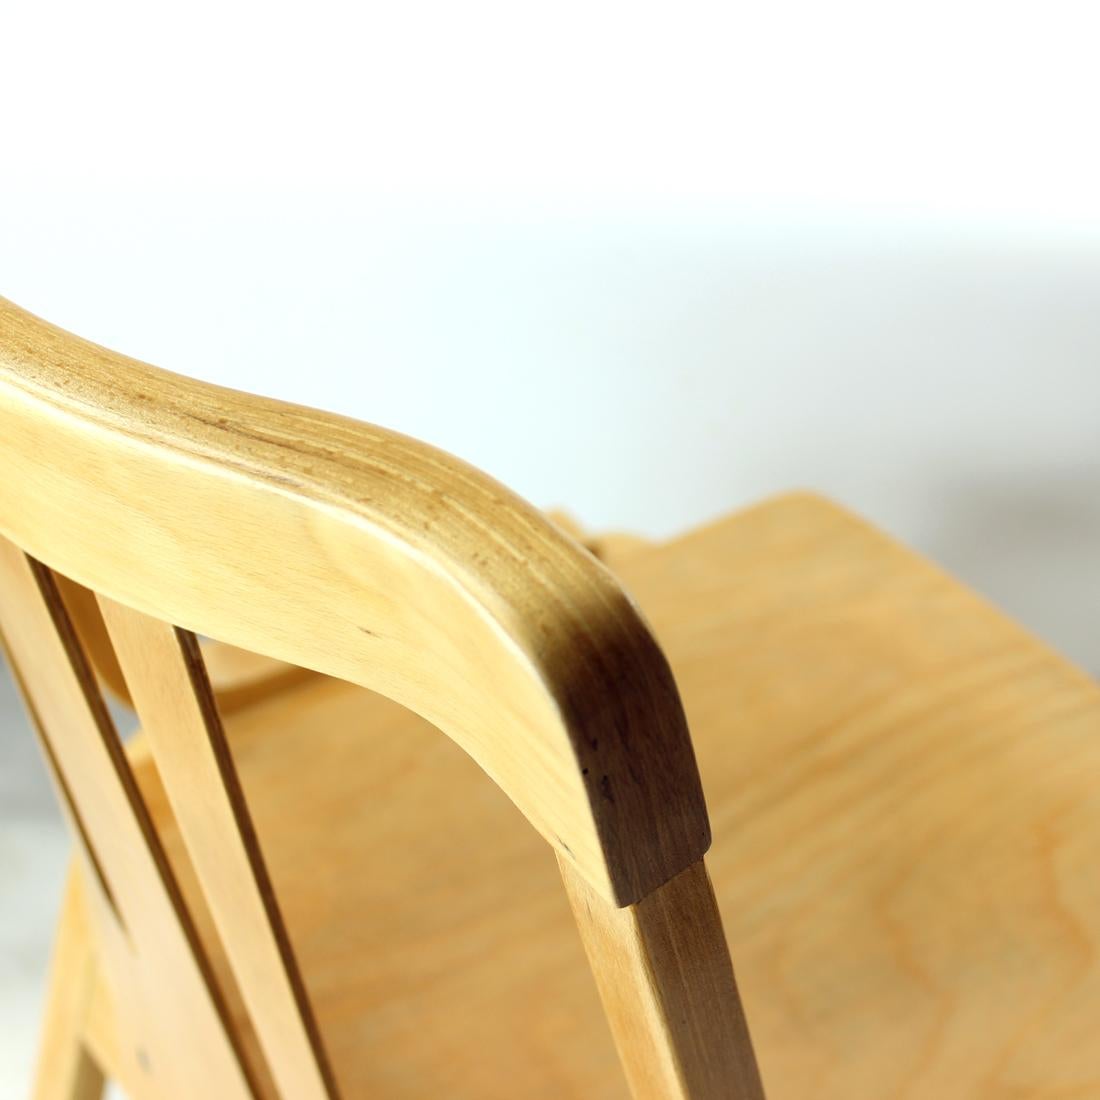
(646, 261)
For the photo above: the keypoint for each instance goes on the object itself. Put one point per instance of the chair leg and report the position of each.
(66, 1069)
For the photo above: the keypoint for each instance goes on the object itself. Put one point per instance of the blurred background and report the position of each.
(649, 262)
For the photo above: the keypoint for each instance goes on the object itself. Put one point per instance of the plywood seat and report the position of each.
(905, 794)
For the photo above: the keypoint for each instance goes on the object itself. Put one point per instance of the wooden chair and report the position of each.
(290, 885)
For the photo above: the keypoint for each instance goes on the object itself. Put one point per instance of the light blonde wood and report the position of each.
(903, 783)
(662, 966)
(615, 546)
(101, 1029)
(237, 676)
(66, 1068)
(607, 545)
(383, 562)
(127, 1062)
(903, 786)
(666, 981)
(357, 552)
(400, 927)
(84, 614)
(164, 669)
(142, 929)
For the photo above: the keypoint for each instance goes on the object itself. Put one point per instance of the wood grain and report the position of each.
(238, 677)
(343, 549)
(903, 785)
(143, 929)
(666, 981)
(357, 552)
(167, 679)
(904, 790)
(66, 1068)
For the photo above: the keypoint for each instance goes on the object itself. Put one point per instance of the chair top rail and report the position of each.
(365, 555)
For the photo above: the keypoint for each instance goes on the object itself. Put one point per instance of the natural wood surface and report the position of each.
(353, 552)
(665, 978)
(66, 1068)
(164, 669)
(358, 552)
(905, 792)
(903, 785)
(145, 935)
(238, 676)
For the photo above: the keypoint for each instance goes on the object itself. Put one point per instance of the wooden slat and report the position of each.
(83, 611)
(66, 1069)
(164, 670)
(172, 1010)
(238, 676)
(667, 985)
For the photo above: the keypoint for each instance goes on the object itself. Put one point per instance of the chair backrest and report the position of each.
(356, 552)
